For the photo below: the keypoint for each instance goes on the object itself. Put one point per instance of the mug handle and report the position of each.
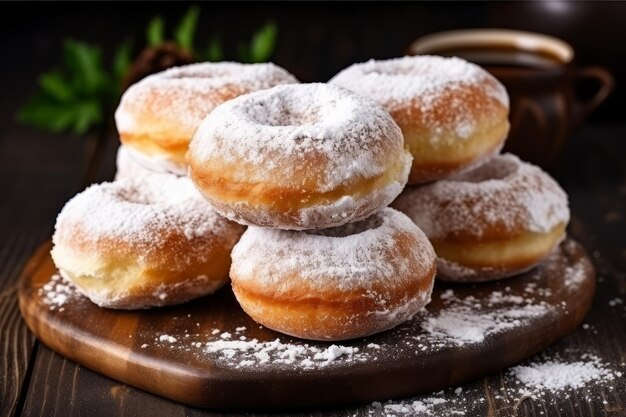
(582, 109)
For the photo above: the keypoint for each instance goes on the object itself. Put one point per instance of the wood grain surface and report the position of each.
(164, 351)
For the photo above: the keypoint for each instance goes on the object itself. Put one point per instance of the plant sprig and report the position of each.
(261, 45)
(82, 92)
(76, 96)
(259, 49)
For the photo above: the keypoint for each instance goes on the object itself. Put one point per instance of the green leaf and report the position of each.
(122, 61)
(263, 43)
(45, 115)
(155, 31)
(86, 114)
(214, 52)
(78, 116)
(84, 63)
(56, 86)
(186, 29)
(73, 98)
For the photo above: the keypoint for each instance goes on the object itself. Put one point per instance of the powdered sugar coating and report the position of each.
(453, 271)
(330, 214)
(397, 80)
(335, 284)
(423, 82)
(504, 194)
(142, 242)
(186, 94)
(156, 163)
(172, 293)
(336, 134)
(345, 258)
(128, 166)
(138, 210)
(393, 82)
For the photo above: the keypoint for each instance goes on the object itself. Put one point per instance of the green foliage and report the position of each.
(80, 93)
(263, 42)
(83, 63)
(261, 45)
(155, 32)
(214, 51)
(186, 29)
(75, 97)
(122, 60)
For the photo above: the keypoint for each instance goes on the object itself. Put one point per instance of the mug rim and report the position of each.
(527, 41)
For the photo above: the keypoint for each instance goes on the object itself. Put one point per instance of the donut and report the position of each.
(128, 166)
(453, 114)
(299, 156)
(334, 284)
(491, 222)
(143, 242)
(158, 116)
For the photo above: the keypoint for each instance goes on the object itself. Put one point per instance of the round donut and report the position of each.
(143, 242)
(299, 156)
(128, 166)
(453, 114)
(158, 116)
(494, 221)
(335, 284)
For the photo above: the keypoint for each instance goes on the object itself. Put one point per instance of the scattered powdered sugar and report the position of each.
(461, 321)
(426, 82)
(290, 132)
(57, 292)
(167, 338)
(546, 381)
(574, 275)
(438, 404)
(469, 320)
(247, 353)
(455, 321)
(504, 193)
(555, 375)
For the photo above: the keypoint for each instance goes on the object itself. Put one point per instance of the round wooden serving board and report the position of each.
(209, 353)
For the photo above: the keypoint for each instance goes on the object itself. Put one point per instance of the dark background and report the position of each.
(315, 39)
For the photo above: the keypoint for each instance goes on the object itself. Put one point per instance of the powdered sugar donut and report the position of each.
(494, 221)
(453, 114)
(128, 166)
(143, 242)
(158, 116)
(335, 284)
(300, 156)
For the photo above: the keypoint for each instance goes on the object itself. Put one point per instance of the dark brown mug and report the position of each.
(541, 78)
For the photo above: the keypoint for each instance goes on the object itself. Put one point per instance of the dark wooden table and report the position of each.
(39, 172)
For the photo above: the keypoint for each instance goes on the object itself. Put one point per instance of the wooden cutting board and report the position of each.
(209, 353)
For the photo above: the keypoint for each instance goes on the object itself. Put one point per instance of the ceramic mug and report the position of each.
(541, 78)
